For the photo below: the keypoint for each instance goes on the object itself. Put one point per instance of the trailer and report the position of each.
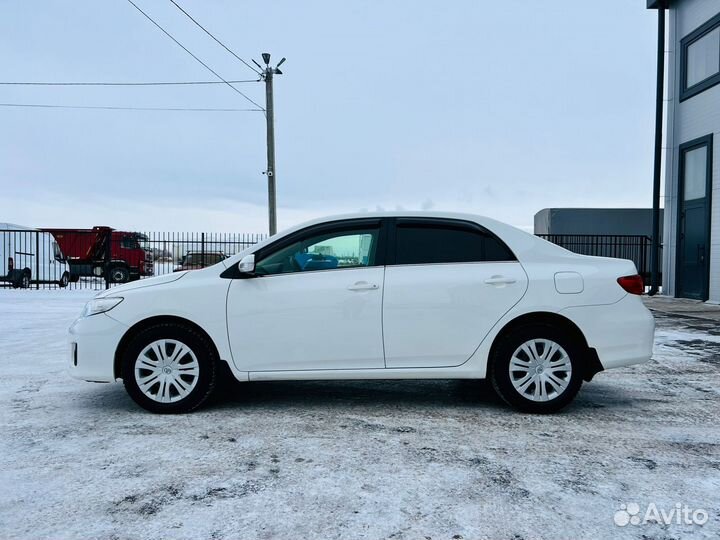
(120, 256)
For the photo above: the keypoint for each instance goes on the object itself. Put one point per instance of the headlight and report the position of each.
(100, 305)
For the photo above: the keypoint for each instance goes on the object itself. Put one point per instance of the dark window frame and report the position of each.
(704, 29)
(707, 142)
(441, 222)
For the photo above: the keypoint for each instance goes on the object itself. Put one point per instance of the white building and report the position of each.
(691, 252)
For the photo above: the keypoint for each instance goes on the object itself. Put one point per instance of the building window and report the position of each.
(700, 59)
(695, 173)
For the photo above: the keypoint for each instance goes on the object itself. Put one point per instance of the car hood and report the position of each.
(141, 283)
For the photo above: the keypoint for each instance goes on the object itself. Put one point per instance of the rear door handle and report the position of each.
(500, 280)
(362, 286)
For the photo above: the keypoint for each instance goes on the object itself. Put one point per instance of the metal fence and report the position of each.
(99, 258)
(619, 246)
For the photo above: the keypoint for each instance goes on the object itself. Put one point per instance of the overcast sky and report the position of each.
(496, 108)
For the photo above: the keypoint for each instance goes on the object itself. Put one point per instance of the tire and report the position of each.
(64, 280)
(119, 274)
(538, 383)
(23, 280)
(170, 387)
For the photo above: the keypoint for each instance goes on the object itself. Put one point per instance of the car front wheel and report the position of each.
(537, 369)
(168, 368)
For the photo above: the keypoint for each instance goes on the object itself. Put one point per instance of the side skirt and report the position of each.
(459, 372)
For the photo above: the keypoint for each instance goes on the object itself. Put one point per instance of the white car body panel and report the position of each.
(436, 315)
(310, 326)
(198, 296)
(329, 319)
(621, 333)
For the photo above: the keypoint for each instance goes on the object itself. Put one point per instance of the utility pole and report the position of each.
(268, 72)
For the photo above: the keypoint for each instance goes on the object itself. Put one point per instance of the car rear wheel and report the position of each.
(537, 369)
(64, 280)
(169, 368)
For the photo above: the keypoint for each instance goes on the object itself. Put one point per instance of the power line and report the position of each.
(211, 70)
(212, 36)
(151, 83)
(113, 108)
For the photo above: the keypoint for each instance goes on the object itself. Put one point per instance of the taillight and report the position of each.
(11, 263)
(632, 284)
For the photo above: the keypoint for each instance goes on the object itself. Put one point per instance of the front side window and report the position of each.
(324, 251)
(700, 56)
(433, 244)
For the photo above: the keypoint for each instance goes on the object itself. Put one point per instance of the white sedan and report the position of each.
(372, 296)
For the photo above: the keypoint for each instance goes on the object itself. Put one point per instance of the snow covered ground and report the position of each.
(437, 459)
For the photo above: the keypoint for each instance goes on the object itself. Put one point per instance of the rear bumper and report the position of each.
(92, 342)
(622, 333)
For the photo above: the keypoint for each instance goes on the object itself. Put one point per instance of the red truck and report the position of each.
(87, 254)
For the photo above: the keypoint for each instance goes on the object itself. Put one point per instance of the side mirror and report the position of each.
(247, 264)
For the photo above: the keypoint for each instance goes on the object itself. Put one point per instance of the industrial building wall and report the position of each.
(619, 221)
(695, 117)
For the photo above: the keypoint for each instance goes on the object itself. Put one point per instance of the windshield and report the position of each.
(143, 241)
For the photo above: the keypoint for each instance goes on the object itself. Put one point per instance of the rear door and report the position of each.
(447, 283)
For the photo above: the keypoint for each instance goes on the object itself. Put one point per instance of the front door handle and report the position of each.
(362, 286)
(500, 280)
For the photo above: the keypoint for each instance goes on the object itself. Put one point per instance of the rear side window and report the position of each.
(432, 244)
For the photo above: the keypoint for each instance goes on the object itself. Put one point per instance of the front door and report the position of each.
(693, 250)
(315, 304)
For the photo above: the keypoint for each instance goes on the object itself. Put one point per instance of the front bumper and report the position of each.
(92, 342)
(622, 333)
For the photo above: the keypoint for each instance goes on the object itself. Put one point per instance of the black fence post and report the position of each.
(202, 250)
(108, 257)
(37, 259)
